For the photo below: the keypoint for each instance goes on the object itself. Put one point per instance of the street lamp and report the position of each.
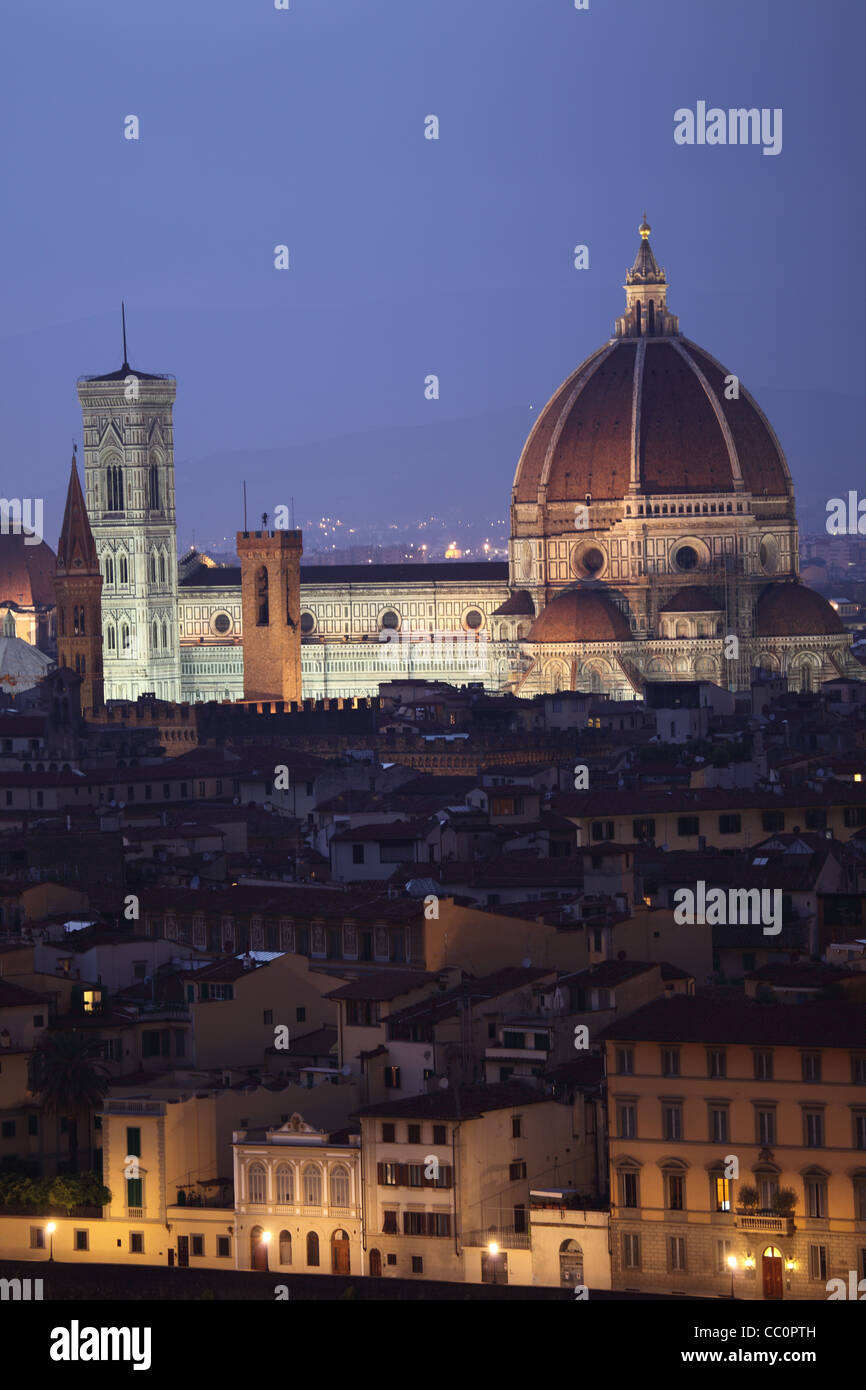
(493, 1252)
(51, 1228)
(732, 1264)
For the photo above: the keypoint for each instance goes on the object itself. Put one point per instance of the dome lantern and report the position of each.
(646, 287)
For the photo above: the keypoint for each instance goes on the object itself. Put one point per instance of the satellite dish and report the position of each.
(345, 1070)
(444, 1083)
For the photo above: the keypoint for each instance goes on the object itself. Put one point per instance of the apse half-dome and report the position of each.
(580, 615)
(792, 610)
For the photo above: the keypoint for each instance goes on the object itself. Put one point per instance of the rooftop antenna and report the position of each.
(245, 504)
(123, 321)
(293, 513)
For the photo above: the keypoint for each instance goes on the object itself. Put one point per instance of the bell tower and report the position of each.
(271, 606)
(129, 487)
(78, 586)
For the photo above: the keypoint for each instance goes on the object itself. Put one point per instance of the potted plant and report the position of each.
(747, 1198)
(785, 1201)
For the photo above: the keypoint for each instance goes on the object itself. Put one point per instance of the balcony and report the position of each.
(767, 1222)
(505, 1237)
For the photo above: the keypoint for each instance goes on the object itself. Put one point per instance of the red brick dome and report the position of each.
(689, 438)
(580, 615)
(694, 598)
(26, 571)
(792, 610)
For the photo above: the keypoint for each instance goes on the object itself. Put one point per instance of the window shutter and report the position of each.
(403, 1174)
(380, 1169)
(406, 1223)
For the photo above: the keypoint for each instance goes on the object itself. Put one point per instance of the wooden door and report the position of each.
(375, 1264)
(183, 1252)
(339, 1256)
(772, 1268)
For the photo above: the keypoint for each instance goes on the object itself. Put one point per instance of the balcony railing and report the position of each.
(766, 1221)
(135, 1213)
(505, 1237)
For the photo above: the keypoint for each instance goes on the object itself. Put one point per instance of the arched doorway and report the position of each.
(771, 1268)
(258, 1249)
(340, 1252)
(312, 1249)
(570, 1264)
(285, 1247)
(376, 1264)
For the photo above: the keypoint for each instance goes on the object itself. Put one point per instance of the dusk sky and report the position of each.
(411, 256)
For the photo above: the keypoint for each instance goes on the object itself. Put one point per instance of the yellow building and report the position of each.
(717, 1106)
(726, 818)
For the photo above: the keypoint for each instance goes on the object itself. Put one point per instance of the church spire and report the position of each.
(646, 287)
(76, 549)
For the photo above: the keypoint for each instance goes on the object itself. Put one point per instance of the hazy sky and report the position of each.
(411, 256)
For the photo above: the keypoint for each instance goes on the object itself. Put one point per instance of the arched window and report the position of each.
(339, 1186)
(125, 642)
(285, 1185)
(312, 1249)
(111, 637)
(155, 636)
(114, 487)
(165, 634)
(162, 568)
(154, 488)
(312, 1177)
(153, 567)
(78, 622)
(285, 1248)
(256, 1183)
(638, 319)
(651, 326)
(262, 597)
(109, 570)
(123, 568)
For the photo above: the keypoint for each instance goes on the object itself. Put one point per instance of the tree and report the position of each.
(70, 1079)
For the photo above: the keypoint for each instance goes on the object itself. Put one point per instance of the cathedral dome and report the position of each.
(792, 610)
(647, 414)
(26, 571)
(580, 615)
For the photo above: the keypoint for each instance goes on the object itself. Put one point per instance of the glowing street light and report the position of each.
(51, 1228)
(732, 1265)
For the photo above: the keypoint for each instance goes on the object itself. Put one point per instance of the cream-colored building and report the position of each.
(298, 1199)
(447, 1176)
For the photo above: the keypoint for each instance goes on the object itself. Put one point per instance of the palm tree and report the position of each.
(69, 1079)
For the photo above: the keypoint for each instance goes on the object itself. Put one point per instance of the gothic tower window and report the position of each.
(109, 570)
(155, 636)
(153, 567)
(125, 643)
(162, 568)
(78, 622)
(638, 319)
(262, 619)
(111, 637)
(165, 642)
(651, 325)
(114, 492)
(154, 488)
(124, 570)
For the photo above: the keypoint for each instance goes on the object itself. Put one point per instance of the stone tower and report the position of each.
(78, 586)
(271, 602)
(129, 487)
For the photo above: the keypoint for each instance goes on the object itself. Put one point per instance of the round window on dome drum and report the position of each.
(686, 557)
(222, 622)
(308, 622)
(474, 619)
(390, 618)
